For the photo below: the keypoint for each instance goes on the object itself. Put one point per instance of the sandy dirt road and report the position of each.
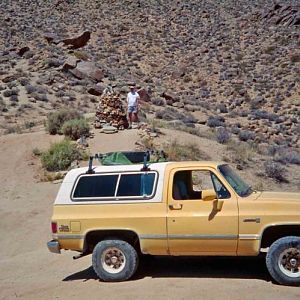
(29, 271)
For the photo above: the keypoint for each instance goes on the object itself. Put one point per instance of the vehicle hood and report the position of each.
(279, 196)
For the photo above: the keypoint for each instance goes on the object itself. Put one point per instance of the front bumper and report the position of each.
(53, 246)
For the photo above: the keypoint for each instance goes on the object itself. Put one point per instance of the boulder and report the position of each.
(169, 97)
(70, 63)
(144, 95)
(95, 90)
(87, 69)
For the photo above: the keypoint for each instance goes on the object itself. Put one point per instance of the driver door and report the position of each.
(195, 225)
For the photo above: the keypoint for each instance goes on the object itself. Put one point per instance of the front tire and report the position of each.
(283, 260)
(114, 260)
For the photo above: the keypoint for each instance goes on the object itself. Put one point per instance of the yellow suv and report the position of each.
(119, 212)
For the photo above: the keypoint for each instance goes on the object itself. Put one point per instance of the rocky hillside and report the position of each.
(228, 63)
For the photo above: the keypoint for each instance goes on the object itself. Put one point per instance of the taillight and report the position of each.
(54, 227)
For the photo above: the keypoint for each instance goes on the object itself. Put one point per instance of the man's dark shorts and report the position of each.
(132, 109)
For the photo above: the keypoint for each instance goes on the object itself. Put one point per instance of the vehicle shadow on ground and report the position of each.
(192, 267)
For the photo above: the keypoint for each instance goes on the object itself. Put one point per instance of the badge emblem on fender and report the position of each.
(64, 228)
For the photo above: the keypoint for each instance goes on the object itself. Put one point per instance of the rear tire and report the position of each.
(114, 260)
(283, 260)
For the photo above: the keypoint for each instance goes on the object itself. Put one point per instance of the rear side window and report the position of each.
(96, 186)
(115, 186)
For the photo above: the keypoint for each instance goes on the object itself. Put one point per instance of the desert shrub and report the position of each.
(11, 84)
(36, 151)
(285, 155)
(158, 101)
(222, 135)
(13, 129)
(24, 81)
(215, 121)
(14, 98)
(76, 128)
(3, 107)
(60, 94)
(30, 89)
(179, 152)
(81, 55)
(269, 49)
(275, 170)
(7, 93)
(170, 114)
(55, 120)
(41, 90)
(40, 97)
(241, 153)
(60, 156)
(246, 135)
(53, 62)
(295, 58)
(29, 124)
(223, 108)
(235, 129)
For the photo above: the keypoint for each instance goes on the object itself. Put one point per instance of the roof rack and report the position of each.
(128, 158)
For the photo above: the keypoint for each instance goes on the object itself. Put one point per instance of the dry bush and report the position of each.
(55, 120)
(60, 156)
(241, 153)
(181, 152)
(275, 170)
(76, 128)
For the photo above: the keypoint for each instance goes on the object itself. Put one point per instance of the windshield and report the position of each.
(238, 184)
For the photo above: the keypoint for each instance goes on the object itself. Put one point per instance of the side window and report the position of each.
(96, 186)
(136, 185)
(189, 184)
(220, 189)
(100, 187)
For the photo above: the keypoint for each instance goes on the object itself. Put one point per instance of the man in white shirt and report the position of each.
(132, 104)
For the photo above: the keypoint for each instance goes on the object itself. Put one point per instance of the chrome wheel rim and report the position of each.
(289, 262)
(113, 260)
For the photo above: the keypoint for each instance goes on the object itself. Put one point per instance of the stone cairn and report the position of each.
(110, 111)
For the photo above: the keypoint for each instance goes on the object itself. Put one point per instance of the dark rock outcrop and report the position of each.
(79, 41)
(73, 43)
(281, 14)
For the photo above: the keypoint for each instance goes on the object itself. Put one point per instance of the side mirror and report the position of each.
(218, 205)
(209, 195)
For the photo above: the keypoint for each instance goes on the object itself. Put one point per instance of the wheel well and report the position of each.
(94, 237)
(271, 234)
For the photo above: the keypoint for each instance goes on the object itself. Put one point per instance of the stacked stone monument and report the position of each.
(110, 111)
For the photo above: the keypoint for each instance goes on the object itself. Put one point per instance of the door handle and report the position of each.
(176, 206)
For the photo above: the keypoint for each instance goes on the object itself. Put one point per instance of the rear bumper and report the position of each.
(53, 246)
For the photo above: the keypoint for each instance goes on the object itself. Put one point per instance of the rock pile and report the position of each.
(110, 111)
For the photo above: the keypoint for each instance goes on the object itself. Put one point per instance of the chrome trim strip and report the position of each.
(190, 236)
(249, 236)
(68, 236)
(153, 236)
